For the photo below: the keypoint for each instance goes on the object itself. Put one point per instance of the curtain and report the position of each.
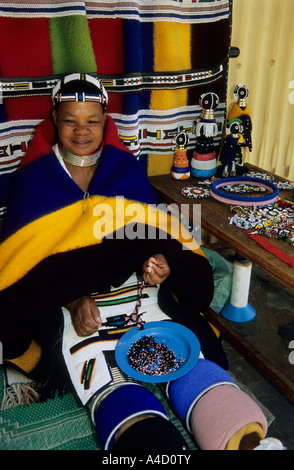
(263, 31)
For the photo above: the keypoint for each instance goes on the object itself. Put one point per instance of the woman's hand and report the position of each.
(85, 316)
(155, 269)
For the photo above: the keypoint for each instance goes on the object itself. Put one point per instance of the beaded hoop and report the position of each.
(244, 200)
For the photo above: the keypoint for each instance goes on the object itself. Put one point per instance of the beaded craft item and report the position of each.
(237, 135)
(274, 220)
(244, 200)
(240, 110)
(135, 317)
(195, 192)
(200, 192)
(281, 184)
(260, 174)
(269, 217)
(203, 162)
(181, 168)
(242, 188)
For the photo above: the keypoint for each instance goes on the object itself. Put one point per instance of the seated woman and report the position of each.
(54, 240)
(65, 236)
(80, 126)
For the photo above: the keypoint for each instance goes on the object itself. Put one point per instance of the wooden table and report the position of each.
(215, 217)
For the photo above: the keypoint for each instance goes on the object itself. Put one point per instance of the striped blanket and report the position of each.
(155, 58)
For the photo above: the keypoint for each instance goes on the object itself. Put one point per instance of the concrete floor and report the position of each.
(270, 332)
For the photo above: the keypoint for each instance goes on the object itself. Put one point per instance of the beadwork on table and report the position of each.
(272, 220)
(260, 174)
(281, 184)
(200, 192)
(195, 192)
(242, 200)
(149, 357)
(242, 188)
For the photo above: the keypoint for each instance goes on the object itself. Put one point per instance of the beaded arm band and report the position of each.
(244, 200)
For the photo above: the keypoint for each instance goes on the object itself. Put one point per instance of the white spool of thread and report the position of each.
(238, 309)
(240, 283)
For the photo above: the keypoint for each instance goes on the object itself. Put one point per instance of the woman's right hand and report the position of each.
(85, 316)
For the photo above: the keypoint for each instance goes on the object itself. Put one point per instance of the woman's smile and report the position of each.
(80, 126)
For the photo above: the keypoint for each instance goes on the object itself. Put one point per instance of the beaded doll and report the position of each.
(203, 163)
(181, 168)
(240, 110)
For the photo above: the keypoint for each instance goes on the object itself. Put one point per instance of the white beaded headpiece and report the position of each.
(84, 87)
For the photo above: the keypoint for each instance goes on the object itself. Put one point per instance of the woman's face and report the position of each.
(80, 126)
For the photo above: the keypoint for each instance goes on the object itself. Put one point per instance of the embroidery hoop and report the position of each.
(244, 200)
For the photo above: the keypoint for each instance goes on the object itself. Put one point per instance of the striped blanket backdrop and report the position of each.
(155, 57)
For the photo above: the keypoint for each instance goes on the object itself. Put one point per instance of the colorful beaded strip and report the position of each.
(135, 317)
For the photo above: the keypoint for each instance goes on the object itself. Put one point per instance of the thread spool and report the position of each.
(120, 406)
(221, 414)
(185, 392)
(238, 309)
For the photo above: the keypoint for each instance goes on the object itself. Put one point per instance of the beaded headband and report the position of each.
(96, 91)
(244, 200)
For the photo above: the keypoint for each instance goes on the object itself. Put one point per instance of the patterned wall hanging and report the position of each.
(155, 57)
